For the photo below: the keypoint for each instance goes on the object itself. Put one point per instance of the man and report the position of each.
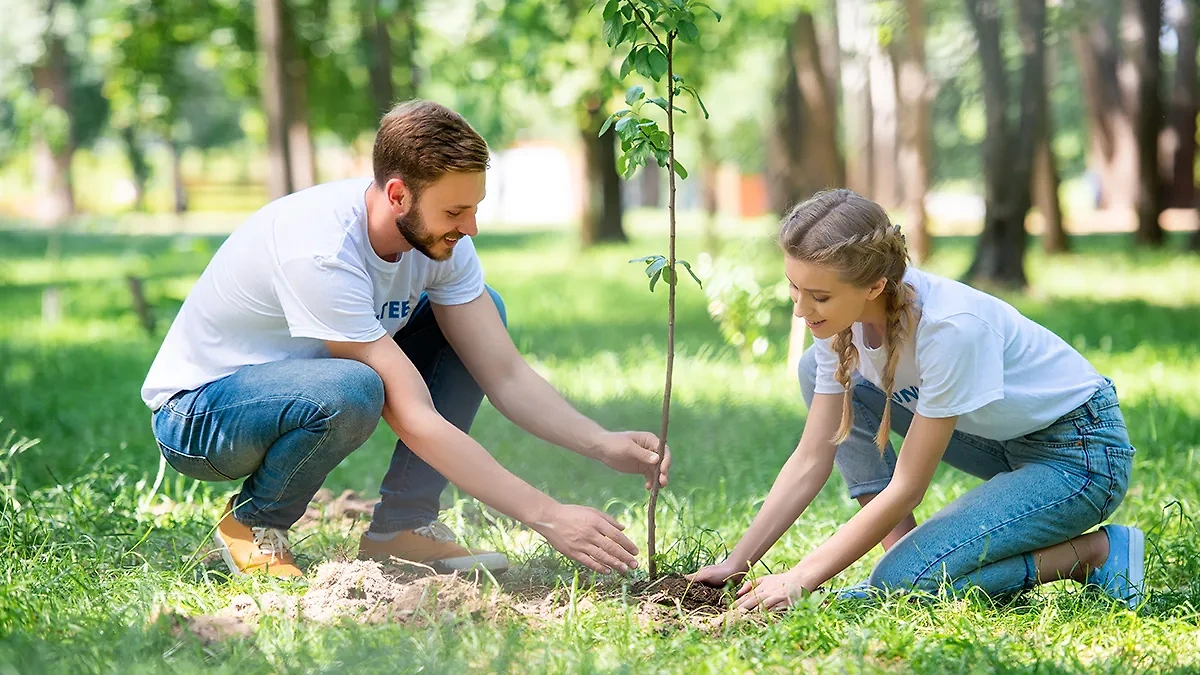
(347, 301)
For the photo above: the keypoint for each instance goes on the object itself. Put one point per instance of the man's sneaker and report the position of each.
(254, 549)
(1123, 575)
(433, 545)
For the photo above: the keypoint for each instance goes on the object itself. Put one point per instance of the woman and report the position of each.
(966, 379)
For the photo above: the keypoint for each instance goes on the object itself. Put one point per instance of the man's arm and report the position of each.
(478, 336)
(586, 535)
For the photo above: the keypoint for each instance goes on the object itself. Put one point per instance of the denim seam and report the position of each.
(1104, 512)
(296, 469)
(1008, 522)
(163, 449)
(264, 399)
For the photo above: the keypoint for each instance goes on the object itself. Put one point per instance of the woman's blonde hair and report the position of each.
(853, 236)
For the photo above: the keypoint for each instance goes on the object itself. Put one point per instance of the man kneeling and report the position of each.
(354, 299)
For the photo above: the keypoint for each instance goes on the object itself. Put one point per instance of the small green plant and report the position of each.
(650, 28)
(742, 307)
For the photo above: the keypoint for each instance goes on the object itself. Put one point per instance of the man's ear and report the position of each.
(877, 288)
(399, 196)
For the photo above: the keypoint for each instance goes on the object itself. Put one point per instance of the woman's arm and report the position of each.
(919, 457)
(801, 478)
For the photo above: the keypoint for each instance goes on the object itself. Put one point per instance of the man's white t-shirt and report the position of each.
(975, 357)
(298, 272)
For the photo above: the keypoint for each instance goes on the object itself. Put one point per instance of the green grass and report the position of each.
(88, 553)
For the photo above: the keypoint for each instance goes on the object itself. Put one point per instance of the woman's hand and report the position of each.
(719, 574)
(774, 591)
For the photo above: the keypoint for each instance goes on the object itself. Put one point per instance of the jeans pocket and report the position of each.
(192, 466)
(1120, 466)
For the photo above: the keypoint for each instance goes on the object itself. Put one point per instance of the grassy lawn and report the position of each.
(95, 551)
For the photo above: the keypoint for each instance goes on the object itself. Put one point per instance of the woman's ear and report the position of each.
(877, 288)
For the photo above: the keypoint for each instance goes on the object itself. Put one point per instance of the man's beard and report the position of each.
(412, 228)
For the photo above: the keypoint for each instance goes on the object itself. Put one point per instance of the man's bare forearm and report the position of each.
(531, 403)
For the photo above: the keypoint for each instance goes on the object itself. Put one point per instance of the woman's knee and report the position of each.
(905, 568)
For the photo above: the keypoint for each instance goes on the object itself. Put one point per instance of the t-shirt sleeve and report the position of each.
(458, 280)
(827, 363)
(961, 364)
(327, 298)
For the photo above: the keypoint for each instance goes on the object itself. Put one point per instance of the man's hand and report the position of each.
(633, 452)
(589, 537)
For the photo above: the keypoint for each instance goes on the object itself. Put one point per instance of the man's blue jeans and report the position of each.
(1041, 489)
(283, 426)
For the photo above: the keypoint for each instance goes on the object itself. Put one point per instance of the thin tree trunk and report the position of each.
(1145, 18)
(180, 190)
(1045, 175)
(1045, 198)
(650, 186)
(914, 156)
(52, 155)
(1008, 149)
(412, 38)
(138, 166)
(378, 43)
(300, 144)
(673, 281)
(820, 103)
(1108, 87)
(785, 175)
(803, 156)
(1184, 102)
(708, 176)
(602, 218)
(855, 37)
(884, 128)
(273, 84)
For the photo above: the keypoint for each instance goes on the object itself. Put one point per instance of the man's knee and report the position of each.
(499, 305)
(352, 400)
(807, 372)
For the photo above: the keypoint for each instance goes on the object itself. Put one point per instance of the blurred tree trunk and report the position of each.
(709, 168)
(301, 155)
(1045, 195)
(1008, 148)
(180, 190)
(378, 43)
(1145, 18)
(803, 156)
(650, 185)
(53, 151)
(884, 126)
(855, 37)
(273, 82)
(914, 156)
(1045, 174)
(1109, 83)
(407, 14)
(1182, 191)
(138, 166)
(602, 218)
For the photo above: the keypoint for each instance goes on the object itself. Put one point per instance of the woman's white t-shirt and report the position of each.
(300, 271)
(975, 357)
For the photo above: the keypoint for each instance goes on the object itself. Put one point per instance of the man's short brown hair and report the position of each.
(421, 141)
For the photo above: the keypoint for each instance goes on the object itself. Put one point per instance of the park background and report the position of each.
(1043, 150)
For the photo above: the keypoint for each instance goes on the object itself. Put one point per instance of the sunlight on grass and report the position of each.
(89, 548)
